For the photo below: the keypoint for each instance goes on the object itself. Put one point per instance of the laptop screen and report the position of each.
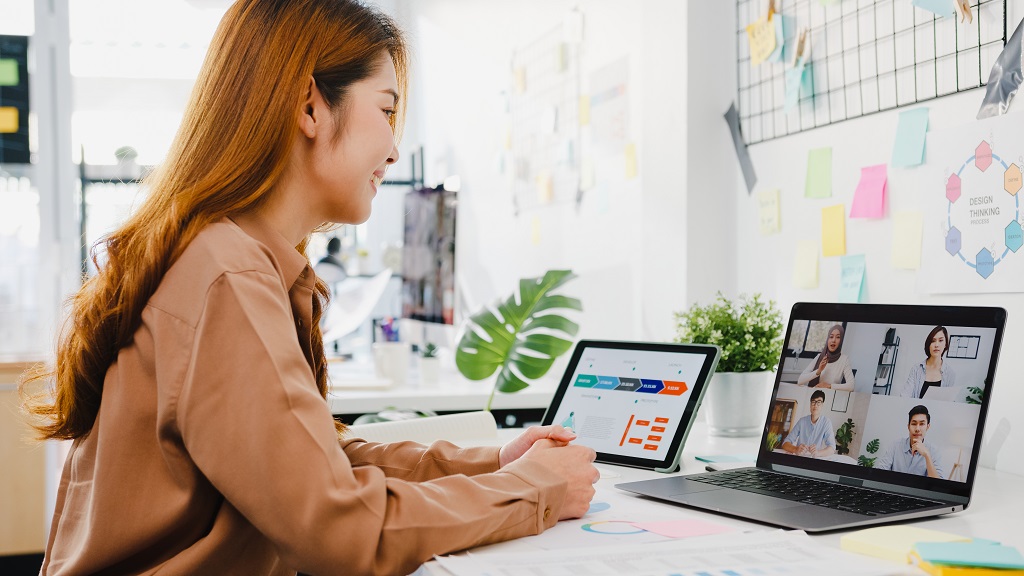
(895, 394)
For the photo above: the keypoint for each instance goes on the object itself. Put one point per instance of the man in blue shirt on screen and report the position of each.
(911, 454)
(813, 436)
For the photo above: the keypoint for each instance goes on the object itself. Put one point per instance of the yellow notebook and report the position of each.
(893, 542)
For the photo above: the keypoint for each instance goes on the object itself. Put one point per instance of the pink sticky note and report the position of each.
(869, 199)
(682, 528)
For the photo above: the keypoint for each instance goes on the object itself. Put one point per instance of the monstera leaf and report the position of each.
(521, 336)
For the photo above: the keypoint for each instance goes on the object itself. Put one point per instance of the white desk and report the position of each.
(997, 504)
(357, 391)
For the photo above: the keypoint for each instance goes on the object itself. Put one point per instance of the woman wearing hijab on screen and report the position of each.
(831, 368)
(933, 371)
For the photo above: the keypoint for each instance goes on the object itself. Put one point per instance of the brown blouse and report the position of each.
(213, 452)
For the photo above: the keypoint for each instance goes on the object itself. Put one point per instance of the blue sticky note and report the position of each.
(794, 80)
(908, 150)
(785, 36)
(939, 7)
(851, 280)
(974, 554)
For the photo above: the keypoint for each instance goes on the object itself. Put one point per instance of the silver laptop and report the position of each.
(876, 416)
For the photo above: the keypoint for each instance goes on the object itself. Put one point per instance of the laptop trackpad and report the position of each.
(734, 501)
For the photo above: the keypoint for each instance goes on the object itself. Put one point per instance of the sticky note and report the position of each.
(762, 39)
(8, 120)
(906, 240)
(908, 150)
(794, 80)
(805, 266)
(893, 542)
(520, 79)
(545, 188)
(851, 279)
(769, 213)
(939, 7)
(8, 72)
(682, 528)
(833, 231)
(584, 110)
(535, 231)
(819, 173)
(631, 169)
(586, 173)
(983, 554)
(869, 198)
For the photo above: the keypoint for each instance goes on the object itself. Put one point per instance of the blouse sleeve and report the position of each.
(847, 379)
(252, 421)
(912, 387)
(809, 373)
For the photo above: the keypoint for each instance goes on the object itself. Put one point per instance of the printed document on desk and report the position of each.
(779, 552)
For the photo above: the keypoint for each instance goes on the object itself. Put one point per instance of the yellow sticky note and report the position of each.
(8, 119)
(893, 542)
(584, 110)
(535, 231)
(586, 173)
(545, 188)
(631, 169)
(769, 214)
(833, 230)
(762, 39)
(906, 240)
(805, 266)
(520, 79)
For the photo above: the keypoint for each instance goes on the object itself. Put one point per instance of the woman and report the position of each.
(831, 368)
(933, 371)
(191, 374)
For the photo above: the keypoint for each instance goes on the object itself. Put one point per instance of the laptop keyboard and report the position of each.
(816, 492)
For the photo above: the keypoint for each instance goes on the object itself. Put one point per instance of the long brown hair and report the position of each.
(230, 151)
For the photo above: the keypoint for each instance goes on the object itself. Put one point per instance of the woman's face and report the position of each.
(835, 338)
(938, 344)
(350, 166)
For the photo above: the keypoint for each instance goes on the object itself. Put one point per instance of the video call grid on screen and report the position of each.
(629, 402)
(885, 403)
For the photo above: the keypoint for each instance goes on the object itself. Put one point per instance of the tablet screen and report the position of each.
(632, 402)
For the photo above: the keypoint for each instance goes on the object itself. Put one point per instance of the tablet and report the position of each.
(633, 402)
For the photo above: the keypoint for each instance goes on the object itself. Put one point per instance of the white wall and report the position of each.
(765, 263)
(631, 240)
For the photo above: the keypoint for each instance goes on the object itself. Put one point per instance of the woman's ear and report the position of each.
(311, 114)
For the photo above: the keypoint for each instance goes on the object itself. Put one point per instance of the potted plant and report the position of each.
(844, 436)
(749, 334)
(519, 337)
(430, 365)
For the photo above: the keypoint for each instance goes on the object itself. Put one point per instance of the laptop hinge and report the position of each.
(851, 481)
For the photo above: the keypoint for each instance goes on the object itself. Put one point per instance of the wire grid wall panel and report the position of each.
(544, 125)
(866, 56)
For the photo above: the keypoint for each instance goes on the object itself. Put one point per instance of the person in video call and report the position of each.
(934, 370)
(813, 435)
(912, 454)
(831, 368)
(191, 374)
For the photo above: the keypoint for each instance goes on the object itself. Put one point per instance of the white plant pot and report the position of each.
(736, 403)
(430, 370)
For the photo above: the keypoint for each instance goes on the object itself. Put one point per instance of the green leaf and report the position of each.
(552, 322)
(872, 446)
(521, 327)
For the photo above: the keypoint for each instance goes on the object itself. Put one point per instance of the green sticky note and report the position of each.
(8, 72)
(819, 173)
(974, 554)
